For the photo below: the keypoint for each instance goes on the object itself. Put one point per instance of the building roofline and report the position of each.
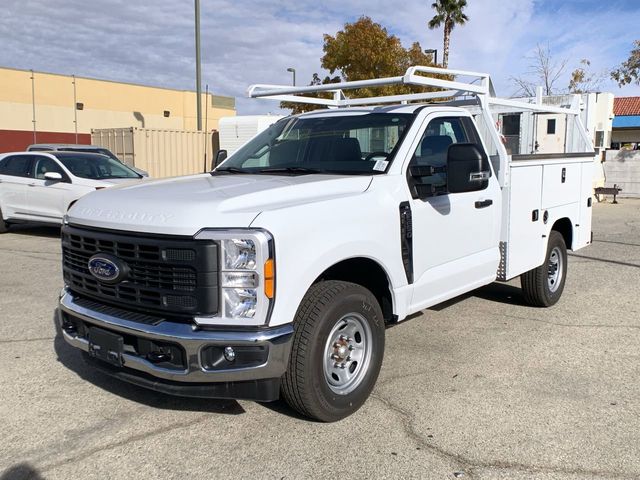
(109, 81)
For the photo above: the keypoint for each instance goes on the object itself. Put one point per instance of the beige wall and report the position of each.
(624, 135)
(550, 142)
(106, 104)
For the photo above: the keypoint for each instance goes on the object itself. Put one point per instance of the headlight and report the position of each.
(247, 276)
(239, 253)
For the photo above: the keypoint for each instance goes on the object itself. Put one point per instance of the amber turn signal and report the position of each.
(269, 278)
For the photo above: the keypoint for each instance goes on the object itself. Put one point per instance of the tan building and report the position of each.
(64, 109)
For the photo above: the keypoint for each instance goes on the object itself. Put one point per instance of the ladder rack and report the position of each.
(480, 89)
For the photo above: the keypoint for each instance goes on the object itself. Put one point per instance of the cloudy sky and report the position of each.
(254, 41)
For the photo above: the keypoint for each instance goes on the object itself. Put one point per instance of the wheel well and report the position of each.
(367, 273)
(565, 228)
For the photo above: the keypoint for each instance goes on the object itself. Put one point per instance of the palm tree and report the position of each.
(448, 13)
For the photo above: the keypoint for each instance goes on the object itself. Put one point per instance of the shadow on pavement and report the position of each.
(72, 359)
(501, 293)
(494, 292)
(35, 230)
(21, 471)
(280, 407)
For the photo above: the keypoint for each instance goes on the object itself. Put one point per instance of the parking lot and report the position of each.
(482, 387)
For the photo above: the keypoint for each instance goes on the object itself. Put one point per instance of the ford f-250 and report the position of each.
(276, 273)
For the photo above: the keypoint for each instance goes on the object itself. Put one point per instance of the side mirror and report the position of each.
(53, 176)
(425, 181)
(221, 156)
(468, 168)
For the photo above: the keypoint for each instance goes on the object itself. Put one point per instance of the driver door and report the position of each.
(455, 235)
(48, 199)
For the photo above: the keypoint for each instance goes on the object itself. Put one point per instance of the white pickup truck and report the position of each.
(276, 273)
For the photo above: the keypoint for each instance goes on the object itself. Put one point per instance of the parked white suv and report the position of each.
(77, 147)
(40, 187)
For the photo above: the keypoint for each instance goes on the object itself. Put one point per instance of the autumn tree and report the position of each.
(629, 70)
(449, 13)
(583, 79)
(543, 71)
(363, 50)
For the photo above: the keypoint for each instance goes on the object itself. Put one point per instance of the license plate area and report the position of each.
(106, 346)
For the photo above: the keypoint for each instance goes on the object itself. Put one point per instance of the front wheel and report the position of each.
(337, 351)
(543, 286)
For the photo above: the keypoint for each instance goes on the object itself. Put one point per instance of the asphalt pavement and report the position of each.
(483, 387)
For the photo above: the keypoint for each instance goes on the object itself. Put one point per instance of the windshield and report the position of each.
(347, 144)
(102, 151)
(96, 167)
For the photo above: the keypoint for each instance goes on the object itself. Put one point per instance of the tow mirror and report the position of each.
(53, 176)
(426, 181)
(221, 156)
(468, 168)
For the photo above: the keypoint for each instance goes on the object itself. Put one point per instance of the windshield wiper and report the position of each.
(230, 170)
(292, 170)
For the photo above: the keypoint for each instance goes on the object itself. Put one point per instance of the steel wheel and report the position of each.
(554, 277)
(347, 353)
(543, 285)
(337, 351)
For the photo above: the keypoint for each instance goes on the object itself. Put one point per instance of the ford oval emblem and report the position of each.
(107, 268)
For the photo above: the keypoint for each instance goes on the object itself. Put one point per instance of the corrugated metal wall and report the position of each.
(162, 153)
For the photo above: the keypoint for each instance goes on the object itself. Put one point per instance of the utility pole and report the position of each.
(75, 107)
(33, 103)
(198, 74)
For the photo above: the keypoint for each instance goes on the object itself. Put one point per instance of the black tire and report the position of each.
(537, 285)
(4, 226)
(305, 386)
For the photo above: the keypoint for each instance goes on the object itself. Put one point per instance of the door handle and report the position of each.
(484, 203)
(32, 184)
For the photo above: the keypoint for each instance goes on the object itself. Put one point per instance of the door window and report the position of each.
(434, 145)
(42, 165)
(16, 166)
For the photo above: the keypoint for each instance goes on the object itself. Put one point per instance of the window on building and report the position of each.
(599, 138)
(511, 124)
(551, 126)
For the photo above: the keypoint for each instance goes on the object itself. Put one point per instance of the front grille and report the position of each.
(167, 275)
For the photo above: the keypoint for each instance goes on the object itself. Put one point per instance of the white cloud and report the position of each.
(254, 41)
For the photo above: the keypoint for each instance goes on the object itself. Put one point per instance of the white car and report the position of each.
(40, 187)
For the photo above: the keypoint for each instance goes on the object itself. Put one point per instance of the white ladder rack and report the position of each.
(479, 87)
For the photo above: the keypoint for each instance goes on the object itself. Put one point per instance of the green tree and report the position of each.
(303, 107)
(629, 70)
(449, 13)
(360, 51)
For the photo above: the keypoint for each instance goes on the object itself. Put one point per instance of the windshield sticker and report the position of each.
(381, 165)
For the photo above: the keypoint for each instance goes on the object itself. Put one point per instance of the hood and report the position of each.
(185, 205)
(88, 182)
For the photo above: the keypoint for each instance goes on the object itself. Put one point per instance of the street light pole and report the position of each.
(434, 52)
(198, 73)
(293, 71)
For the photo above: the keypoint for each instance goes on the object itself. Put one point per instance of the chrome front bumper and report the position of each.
(276, 341)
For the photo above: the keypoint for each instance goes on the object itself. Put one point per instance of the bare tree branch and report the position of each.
(543, 71)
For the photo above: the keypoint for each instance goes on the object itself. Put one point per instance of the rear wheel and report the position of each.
(543, 286)
(4, 226)
(337, 351)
